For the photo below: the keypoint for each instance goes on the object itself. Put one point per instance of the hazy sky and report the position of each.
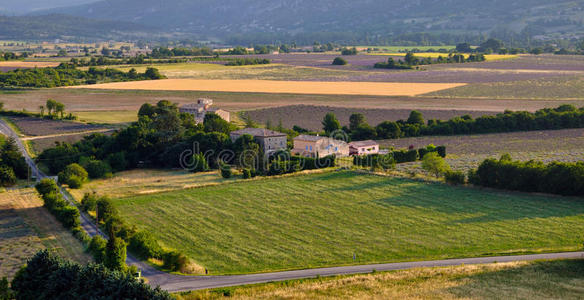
(24, 6)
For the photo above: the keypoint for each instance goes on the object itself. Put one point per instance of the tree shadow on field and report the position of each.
(474, 205)
(556, 279)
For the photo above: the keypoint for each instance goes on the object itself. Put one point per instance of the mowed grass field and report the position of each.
(325, 219)
(521, 280)
(281, 87)
(27, 227)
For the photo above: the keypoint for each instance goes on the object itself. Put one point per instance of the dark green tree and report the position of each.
(330, 123)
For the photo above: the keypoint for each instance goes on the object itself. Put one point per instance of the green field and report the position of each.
(323, 219)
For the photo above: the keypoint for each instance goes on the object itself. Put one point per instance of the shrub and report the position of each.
(69, 216)
(339, 61)
(200, 163)
(105, 209)
(46, 186)
(89, 202)
(7, 176)
(145, 246)
(246, 173)
(174, 261)
(455, 177)
(74, 182)
(97, 169)
(441, 151)
(73, 170)
(97, 248)
(435, 164)
(226, 172)
(115, 254)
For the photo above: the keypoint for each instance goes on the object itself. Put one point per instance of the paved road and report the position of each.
(177, 283)
(174, 283)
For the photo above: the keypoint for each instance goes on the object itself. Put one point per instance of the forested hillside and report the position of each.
(367, 19)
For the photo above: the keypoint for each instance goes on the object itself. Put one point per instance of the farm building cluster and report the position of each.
(307, 145)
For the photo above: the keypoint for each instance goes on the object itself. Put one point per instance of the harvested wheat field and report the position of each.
(28, 64)
(281, 87)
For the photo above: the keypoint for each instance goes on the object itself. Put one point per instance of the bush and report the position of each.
(226, 171)
(455, 177)
(105, 209)
(7, 176)
(46, 186)
(339, 61)
(174, 261)
(200, 163)
(441, 151)
(435, 164)
(73, 170)
(89, 202)
(246, 173)
(74, 182)
(145, 246)
(97, 169)
(97, 248)
(69, 216)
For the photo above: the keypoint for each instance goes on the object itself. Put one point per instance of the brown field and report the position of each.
(26, 227)
(28, 64)
(40, 127)
(281, 87)
(127, 103)
(310, 116)
(561, 279)
(468, 151)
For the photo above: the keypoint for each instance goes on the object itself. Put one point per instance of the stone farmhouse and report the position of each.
(363, 147)
(319, 146)
(269, 140)
(202, 108)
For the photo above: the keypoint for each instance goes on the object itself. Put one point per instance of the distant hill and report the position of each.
(26, 6)
(373, 17)
(67, 27)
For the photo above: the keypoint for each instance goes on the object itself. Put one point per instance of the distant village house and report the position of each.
(202, 108)
(270, 141)
(319, 146)
(363, 147)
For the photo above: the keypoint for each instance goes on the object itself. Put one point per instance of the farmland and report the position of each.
(310, 116)
(524, 280)
(295, 221)
(25, 227)
(282, 87)
(31, 126)
(465, 152)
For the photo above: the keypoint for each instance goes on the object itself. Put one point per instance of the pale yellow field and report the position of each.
(28, 64)
(280, 87)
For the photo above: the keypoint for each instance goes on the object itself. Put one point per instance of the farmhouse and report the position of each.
(363, 147)
(202, 108)
(319, 146)
(269, 140)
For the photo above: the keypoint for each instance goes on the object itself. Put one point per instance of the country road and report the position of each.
(179, 283)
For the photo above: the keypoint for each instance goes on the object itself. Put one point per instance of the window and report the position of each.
(310, 148)
(336, 149)
(306, 148)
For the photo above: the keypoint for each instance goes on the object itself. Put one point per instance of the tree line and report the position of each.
(562, 178)
(562, 117)
(411, 60)
(67, 75)
(12, 164)
(47, 276)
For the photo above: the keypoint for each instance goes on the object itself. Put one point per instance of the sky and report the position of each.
(25, 6)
